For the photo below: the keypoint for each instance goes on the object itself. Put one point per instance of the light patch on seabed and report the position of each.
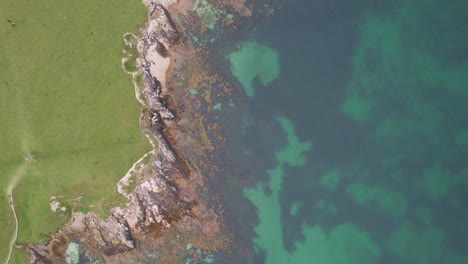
(346, 243)
(358, 108)
(382, 198)
(295, 208)
(331, 180)
(269, 230)
(422, 245)
(217, 106)
(437, 181)
(252, 60)
(326, 207)
(397, 60)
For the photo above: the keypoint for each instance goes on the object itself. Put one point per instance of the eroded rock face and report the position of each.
(169, 206)
(161, 26)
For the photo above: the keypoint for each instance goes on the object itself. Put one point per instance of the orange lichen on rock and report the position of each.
(228, 21)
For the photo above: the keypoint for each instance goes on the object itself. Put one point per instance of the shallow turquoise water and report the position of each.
(370, 101)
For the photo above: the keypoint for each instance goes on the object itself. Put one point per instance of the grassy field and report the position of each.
(65, 99)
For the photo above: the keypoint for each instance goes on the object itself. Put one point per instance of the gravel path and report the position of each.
(19, 173)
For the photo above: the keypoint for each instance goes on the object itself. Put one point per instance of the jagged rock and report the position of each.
(162, 26)
(160, 48)
(155, 120)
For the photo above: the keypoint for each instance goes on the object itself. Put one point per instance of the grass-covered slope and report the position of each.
(65, 99)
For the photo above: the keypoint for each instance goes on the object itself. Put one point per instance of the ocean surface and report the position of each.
(357, 123)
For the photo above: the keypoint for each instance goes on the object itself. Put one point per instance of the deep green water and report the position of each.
(359, 117)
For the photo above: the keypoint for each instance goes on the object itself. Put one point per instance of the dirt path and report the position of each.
(19, 173)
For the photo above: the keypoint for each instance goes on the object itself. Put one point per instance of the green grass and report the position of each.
(65, 98)
(132, 55)
(130, 64)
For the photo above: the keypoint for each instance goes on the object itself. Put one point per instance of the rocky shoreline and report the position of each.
(171, 216)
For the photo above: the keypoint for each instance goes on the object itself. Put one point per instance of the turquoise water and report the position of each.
(358, 117)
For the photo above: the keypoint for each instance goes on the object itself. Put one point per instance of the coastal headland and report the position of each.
(172, 214)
